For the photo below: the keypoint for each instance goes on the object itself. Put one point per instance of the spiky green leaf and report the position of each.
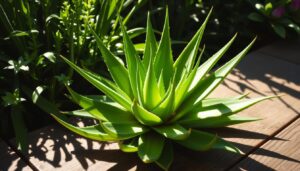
(206, 86)
(208, 65)
(213, 101)
(102, 85)
(150, 147)
(151, 44)
(94, 132)
(123, 131)
(145, 117)
(117, 70)
(101, 110)
(165, 109)
(132, 59)
(173, 131)
(221, 109)
(79, 113)
(199, 141)
(184, 84)
(151, 92)
(166, 158)
(163, 58)
(187, 57)
(217, 122)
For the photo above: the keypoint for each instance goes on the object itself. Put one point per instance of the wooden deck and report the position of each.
(270, 144)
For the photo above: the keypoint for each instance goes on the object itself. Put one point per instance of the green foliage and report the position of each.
(281, 15)
(161, 102)
(33, 33)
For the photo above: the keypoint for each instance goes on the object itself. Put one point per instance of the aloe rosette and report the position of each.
(153, 102)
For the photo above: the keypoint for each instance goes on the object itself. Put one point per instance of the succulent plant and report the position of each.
(154, 102)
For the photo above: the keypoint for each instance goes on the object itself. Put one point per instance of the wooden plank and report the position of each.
(287, 50)
(55, 148)
(280, 153)
(260, 75)
(9, 160)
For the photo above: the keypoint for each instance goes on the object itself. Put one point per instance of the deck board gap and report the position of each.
(263, 142)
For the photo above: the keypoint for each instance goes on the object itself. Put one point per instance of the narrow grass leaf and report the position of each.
(19, 128)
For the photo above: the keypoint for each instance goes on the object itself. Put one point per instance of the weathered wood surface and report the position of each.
(260, 73)
(280, 153)
(56, 148)
(9, 160)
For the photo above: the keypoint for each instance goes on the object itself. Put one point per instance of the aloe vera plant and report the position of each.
(154, 102)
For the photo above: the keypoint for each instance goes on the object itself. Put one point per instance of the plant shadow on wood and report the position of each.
(55, 147)
(278, 76)
(9, 160)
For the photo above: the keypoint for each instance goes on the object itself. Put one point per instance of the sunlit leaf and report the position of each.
(123, 131)
(163, 58)
(118, 72)
(144, 116)
(173, 131)
(101, 110)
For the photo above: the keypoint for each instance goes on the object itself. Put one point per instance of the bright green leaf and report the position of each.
(102, 85)
(123, 131)
(131, 146)
(145, 117)
(118, 72)
(151, 44)
(217, 122)
(173, 131)
(163, 58)
(101, 110)
(187, 57)
(221, 109)
(94, 132)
